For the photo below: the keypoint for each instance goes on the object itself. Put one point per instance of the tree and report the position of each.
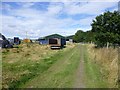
(89, 36)
(107, 28)
(79, 36)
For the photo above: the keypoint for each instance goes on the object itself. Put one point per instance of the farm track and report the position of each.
(79, 82)
(61, 74)
(67, 72)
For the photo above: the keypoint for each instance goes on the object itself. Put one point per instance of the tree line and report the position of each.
(105, 30)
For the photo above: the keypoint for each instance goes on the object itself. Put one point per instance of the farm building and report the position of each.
(54, 36)
(45, 40)
(70, 39)
(56, 41)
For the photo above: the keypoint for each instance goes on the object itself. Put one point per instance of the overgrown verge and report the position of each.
(93, 76)
(107, 59)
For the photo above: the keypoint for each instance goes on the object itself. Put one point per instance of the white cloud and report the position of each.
(91, 8)
(54, 8)
(59, 0)
(40, 23)
(28, 4)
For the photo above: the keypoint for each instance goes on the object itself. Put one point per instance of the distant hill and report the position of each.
(70, 37)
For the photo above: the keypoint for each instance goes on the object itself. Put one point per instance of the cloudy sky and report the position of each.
(43, 18)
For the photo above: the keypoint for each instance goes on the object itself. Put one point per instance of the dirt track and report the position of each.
(61, 74)
(79, 82)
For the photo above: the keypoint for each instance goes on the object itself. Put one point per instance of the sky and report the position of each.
(39, 19)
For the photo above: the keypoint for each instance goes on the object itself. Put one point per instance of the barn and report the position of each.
(70, 39)
(45, 40)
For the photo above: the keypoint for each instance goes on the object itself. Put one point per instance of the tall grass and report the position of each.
(107, 59)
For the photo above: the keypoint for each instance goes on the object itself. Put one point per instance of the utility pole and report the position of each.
(26, 34)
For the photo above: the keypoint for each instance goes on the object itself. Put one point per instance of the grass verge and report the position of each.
(93, 76)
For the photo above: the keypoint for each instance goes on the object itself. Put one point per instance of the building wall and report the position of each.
(43, 41)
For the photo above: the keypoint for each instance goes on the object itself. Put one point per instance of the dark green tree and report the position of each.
(89, 36)
(79, 36)
(107, 28)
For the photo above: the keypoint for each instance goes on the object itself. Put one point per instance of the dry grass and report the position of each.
(14, 60)
(33, 52)
(0, 69)
(108, 60)
(21, 61)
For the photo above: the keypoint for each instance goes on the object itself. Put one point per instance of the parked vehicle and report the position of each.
(11, 41)
(17, 40)
(57, 43)
(4, 43)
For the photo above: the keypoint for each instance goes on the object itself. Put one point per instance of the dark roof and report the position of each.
(54, 36)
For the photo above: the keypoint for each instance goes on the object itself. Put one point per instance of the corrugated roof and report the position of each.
(52, 36)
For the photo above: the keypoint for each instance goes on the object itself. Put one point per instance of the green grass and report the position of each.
(56, 70)
(18, 73)
(18, 68)
(61, 74)
(93, 76)
(34, 69)
(0, 70)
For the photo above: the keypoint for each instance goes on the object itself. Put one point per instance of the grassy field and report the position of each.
(19, 65)
(37, 66)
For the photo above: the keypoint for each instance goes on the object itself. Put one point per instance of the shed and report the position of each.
(69, 38)
(54, 36)
(45, 40)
